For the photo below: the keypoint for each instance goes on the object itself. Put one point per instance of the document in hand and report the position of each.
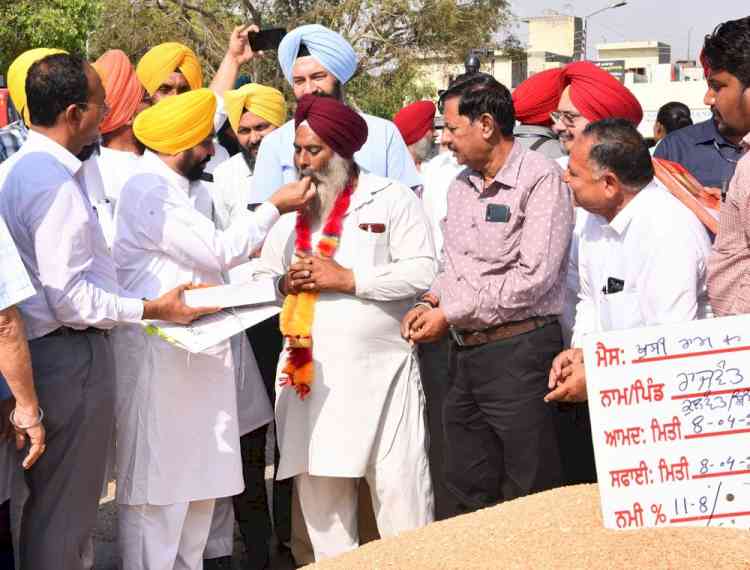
(254, 292)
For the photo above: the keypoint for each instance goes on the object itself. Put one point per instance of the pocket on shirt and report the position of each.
(497, 240)
(372, 248)
(620, 311)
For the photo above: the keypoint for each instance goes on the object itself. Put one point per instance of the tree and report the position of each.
(388, 35)
(27, 24)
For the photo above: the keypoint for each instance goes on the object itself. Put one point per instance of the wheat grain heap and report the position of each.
(561, 528)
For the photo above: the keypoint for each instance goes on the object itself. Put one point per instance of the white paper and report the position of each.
(210, 330)
(255, 292)
(670, 419)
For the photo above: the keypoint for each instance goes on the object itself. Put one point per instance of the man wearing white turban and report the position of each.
(317, 60)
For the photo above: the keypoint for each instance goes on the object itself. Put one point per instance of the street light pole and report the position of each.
(585, 30)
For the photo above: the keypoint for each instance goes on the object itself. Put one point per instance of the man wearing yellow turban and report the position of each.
(254, 111)
(178, 428)
(13, 135)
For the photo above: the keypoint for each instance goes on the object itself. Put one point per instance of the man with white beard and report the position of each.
(352, 405)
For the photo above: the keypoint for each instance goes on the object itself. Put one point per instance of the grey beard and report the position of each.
(328, 183)
(424, 149)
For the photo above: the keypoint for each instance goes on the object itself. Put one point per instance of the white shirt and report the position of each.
(232, 189)
(54, 226)
(659, 249)
(437, 176)
(15, 285)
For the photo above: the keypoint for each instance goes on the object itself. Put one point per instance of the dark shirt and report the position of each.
(703, 151)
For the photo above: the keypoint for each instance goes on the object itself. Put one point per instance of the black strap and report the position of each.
(539, 142)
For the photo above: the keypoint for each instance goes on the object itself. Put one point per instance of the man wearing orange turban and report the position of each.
(533, 101)
(178, 445)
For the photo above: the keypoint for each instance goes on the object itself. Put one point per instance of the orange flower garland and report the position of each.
(298, 312)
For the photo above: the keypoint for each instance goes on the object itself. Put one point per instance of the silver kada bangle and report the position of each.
(39, 419)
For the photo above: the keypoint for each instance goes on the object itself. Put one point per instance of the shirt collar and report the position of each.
(746, 142)
(622, 220)
(37, 142)
(507, 175)
(706, 132)
(158, 166)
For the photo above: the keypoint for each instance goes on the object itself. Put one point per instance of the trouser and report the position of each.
(500, 436)
(434, 366)
(576, 444)
(249, 508)
(74, 380)
(164, 537)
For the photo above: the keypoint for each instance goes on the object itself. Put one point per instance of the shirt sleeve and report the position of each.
(179, 230)
(63, 246)
(15, 285)
(544, 244)
(268, 164)
(400, 163)
(664, 149)
(585, 309)
(412, 263)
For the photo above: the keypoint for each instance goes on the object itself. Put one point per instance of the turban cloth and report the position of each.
(340, 126)
(598, 95)
(160, 61)
(413, 121)
(124, 91)
(177, 123)
(266, 102)
(328, 47)
(17, 73)
(535, 98)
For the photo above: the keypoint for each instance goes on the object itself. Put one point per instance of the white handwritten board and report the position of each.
(670, 418)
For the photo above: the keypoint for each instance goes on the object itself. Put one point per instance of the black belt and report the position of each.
(67, 331)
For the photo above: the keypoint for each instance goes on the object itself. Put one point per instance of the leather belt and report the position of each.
(67, 331)
(500, 332)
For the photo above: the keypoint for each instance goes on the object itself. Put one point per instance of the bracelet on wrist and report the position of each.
(37, 421)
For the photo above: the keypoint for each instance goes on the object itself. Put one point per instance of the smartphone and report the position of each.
(266, 39)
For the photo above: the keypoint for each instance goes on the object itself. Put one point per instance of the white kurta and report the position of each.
(362, 365)
(437, 176)
(177, 421)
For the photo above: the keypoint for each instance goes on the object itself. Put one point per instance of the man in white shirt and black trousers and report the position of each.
(44, 203)
(642, 254)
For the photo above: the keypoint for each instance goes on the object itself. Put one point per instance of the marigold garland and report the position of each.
(298, 312)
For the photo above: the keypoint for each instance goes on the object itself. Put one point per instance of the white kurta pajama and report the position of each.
(364, 416)
(177, 419)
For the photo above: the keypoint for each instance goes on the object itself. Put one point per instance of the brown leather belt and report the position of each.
(67, 331)
(500, 332)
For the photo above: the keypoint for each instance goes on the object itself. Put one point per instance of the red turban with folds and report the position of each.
(340, 126)
(413, 121)
(537, 97)
(123, 90)
(598, 95)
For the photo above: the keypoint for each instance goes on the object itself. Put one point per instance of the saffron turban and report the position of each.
(535, 98)
(598, 95)
(177, 123)
(413, 121)
(328, 47)
(266, 102)
(17, 73)
(160, 61)
(340, 126)
(124, 91)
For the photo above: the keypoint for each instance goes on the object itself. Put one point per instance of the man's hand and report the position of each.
(35, 434)
(293, 196)
(429, 326)
(239, 45)
(567, 378)
(409, 319)
(171, 307)
(320, 274)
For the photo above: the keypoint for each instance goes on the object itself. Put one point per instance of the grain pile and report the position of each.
(556, 529)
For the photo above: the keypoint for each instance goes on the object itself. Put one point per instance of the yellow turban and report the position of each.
(160, 61)
(177, 123)
(266, 102)
(17, 73)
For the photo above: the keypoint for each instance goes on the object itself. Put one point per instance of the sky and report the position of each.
(669, 21)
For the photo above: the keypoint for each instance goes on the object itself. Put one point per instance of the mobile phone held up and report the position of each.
(266, 39)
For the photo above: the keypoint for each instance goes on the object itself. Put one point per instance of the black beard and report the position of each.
(88, 151)
(196, 171)
(249, 157)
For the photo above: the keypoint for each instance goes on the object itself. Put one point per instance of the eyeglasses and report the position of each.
(721, 154)
(565, 117)
(105, 109)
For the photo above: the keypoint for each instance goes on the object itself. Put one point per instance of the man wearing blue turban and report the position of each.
(317, 60)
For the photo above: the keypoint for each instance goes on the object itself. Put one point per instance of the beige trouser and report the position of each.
(169, 537)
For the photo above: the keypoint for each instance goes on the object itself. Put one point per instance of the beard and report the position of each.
(328, 183)
(195, 171)
(424, 149)
(250, 154)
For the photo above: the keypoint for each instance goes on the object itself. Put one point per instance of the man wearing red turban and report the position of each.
(533, 101)
(351, 405)
(415, 122)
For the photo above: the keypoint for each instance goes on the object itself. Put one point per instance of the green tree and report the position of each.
(29, 24)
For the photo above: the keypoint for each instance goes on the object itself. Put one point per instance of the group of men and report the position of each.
(432, 305)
